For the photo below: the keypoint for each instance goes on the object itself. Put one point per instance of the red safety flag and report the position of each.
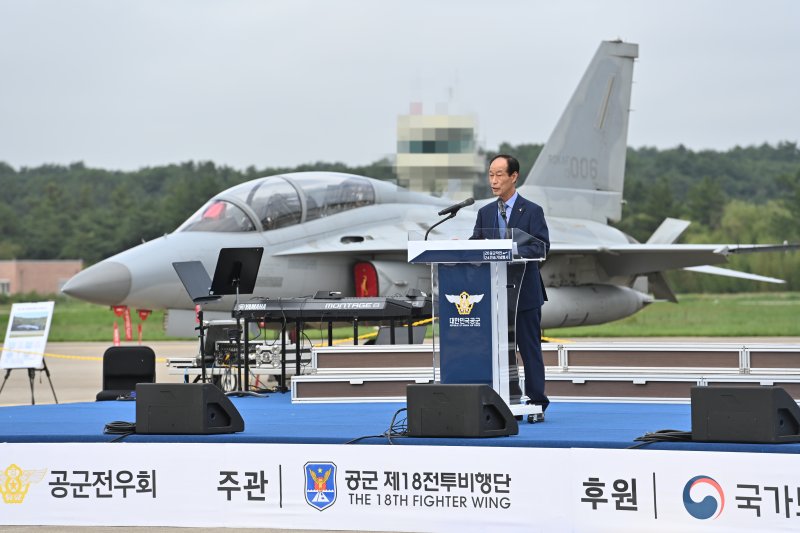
(116, 334)
(128, 326)
(139, 325)
(143, 314)
(197, 313)
(119, 310)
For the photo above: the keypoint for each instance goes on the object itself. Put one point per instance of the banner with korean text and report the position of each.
(653, 490)
(396, 488)
(376, 488)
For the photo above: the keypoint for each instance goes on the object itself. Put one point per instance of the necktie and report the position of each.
(501, 208)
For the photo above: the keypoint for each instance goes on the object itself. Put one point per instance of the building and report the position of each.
(42, 277)
(438, 154)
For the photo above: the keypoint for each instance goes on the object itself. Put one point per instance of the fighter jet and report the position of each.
(333, 231)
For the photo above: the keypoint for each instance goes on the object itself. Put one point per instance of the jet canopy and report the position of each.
(280, 201)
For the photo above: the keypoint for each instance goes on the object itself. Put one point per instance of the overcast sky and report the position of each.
(130, 83)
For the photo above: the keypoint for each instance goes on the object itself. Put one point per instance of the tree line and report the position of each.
(743, 195)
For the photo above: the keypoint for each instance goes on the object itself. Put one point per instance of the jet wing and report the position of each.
(717, 271)
(617, 259)
(635, 259)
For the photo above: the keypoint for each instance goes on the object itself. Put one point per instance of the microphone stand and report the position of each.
(445, 219)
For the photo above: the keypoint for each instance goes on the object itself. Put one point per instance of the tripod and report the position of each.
(31, 374)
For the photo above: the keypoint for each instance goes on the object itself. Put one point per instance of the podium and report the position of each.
(477, 290)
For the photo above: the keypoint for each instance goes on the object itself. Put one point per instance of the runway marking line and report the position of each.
(164, 359)
(553, 339)
(75, 357)
(367, 335)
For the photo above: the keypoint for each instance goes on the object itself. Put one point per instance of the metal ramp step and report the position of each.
(575, 372)
(354, 388)
(374, 358)
(564, 386)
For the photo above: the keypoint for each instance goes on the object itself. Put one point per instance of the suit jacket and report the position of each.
(529, 217)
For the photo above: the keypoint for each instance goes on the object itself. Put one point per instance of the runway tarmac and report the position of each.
(76, 368)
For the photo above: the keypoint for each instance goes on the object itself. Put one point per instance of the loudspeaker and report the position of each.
(754, 414)
(185, 409)
(457, 411)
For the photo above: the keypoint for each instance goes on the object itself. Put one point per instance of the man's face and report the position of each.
(501, 183)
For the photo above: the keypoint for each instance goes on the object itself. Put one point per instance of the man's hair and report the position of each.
(511, 161)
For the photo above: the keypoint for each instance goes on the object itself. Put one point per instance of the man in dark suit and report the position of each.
(513, 211)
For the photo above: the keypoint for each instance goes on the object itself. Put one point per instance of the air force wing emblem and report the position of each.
(464, 301)
(15, 482)
(320, 484)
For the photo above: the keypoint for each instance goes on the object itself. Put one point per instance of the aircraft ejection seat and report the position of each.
(123, 368)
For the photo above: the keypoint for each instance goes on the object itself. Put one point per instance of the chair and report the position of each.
(123, 368)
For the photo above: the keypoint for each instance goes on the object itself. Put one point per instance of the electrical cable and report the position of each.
(121, 428)
(662, 435)
(396, 429)
(260, 390)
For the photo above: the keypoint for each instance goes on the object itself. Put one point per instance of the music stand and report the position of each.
(195, 280)
(236, 273)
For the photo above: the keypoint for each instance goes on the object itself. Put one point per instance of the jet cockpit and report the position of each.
(280, 201)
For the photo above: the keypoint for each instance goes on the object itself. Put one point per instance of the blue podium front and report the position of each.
(470, 277)
(467, 333)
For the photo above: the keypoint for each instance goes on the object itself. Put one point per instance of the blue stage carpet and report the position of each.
(274, 419)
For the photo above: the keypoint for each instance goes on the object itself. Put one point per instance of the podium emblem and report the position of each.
(464, 301)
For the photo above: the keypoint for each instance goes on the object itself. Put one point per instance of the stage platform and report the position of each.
(274, 419)
(292, 469)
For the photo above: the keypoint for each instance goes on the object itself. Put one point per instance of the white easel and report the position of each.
(25, 341)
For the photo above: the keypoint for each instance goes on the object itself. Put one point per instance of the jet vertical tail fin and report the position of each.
(581, 170)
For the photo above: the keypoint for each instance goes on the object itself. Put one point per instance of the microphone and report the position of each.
(456, 207)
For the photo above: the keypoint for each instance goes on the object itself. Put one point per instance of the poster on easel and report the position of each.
(26, 336)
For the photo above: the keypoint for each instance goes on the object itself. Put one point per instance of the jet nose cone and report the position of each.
(106, 283)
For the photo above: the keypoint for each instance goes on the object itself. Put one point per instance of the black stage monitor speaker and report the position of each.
(185, 409)
(458, 411)
(752, 414)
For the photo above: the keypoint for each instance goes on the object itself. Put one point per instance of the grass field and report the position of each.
(76, 321)
(715, 315)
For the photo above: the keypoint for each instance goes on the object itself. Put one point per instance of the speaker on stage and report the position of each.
(185, 409)
(754, 414)
(457, 411)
